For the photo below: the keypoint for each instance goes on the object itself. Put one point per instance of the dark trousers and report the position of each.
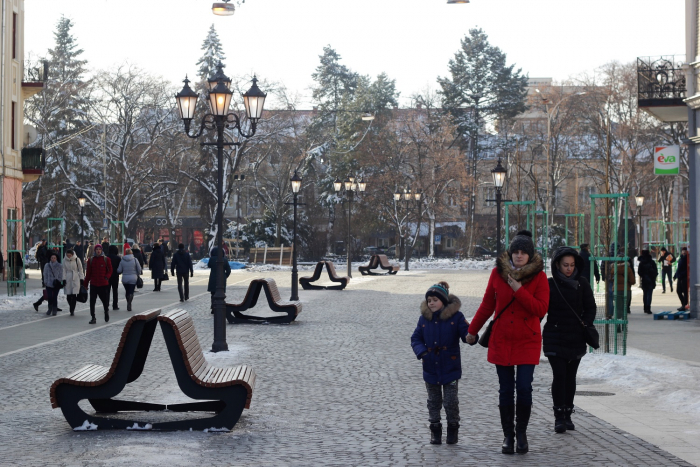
(129, 289)
(52, 297)
(101, 291)
(41, 266)
(564, 380)
(510, 384)
(648, 294)
(667, 271)
(114, 285)
(682, 290)
(186, 279)
(156, 284)
(443, 395)
(72, 300)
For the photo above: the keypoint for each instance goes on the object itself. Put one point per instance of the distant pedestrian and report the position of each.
(435, 341)
(15, 267)
(619, 287)
(666, 259)
(80, 252)
(571, 302)
(130, 269)
(213, 276)
(682, 276)
(97, 276)
(53, 277)
(157, 266)
(105, 245)
(138, 254)
(90, 250)
(182, 264)
(125, 245)
(648, 272)
(115, 259)
(42, 256)
(164, 248)
(73, 275)
(586, 268)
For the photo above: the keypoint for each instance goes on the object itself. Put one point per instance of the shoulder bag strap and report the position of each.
(567, 303)
(503, 310)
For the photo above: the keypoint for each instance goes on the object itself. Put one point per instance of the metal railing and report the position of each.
(33, 159)
(35, 71)
(661, 78)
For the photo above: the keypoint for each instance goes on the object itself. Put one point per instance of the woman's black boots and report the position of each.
(522, 418)
(507, 418)
(559, 419)
(452, 433)
(436, 433)
(567, 418)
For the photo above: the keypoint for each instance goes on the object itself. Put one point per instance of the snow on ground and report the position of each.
(452, 263)
(666, 382)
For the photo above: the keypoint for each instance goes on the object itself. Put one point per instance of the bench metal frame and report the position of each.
(288, 310)
(306, 282)
(378, 261)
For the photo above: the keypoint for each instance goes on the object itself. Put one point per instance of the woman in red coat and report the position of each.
(518, 291)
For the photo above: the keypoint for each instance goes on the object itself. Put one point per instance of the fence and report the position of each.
(271, 255)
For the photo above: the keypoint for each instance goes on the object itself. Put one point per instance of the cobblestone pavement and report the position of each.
(338, 387)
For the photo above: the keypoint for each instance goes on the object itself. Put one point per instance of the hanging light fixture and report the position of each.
(367, 117)
(82, 200)
(337, 184)
(362, 185)
(499, 175)
(220, 99)
(254, 100)
(186, 102)
(296, 182)
(639, 199)
(223, 8)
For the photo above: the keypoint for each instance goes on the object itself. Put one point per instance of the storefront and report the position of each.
(188, 230)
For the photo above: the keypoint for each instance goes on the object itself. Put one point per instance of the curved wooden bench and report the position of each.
(99, 384)
(290, 310)
(378, 261)
(373, 264)
(306, 282)
(343, 280)
(228, 390)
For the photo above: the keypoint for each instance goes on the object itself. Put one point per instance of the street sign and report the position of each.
(667, 160)
(438, 238)
(105, 223)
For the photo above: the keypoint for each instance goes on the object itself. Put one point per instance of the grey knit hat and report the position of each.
(440, 292)
(523, 242)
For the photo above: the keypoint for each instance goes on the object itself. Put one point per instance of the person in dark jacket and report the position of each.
(571, 302)
(211, 286)
(138, 254)
(97, 277)
(435, 341)
(157, 266)
(105, 245)
(648, 272)
(182, 264)
(15, 265)
(114, 280)
(682, 276)
(586, 268)
(42, 256)
(80, 252)
(666, 259)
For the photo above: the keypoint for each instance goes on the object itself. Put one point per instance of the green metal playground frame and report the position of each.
(117, 234)
(55, 234)
(579, 221)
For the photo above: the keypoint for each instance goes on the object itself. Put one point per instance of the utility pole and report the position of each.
(104, 174)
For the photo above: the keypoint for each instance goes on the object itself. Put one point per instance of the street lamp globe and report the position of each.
(407, 194)
(337, 184)
(219, 76)
(639, 199)
(223, 9)
(296, 182)
(254, 101)
(362, 185)
(499, 175)
(348, 184)
(220, 99)
(82, 200)
(186, 101)
(367, 117)
(397, 195)
(418, 194)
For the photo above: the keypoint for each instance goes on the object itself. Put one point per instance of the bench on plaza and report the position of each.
(99, 384)
(288, 311)
(378, 261)
(306, 282)
(225, 390)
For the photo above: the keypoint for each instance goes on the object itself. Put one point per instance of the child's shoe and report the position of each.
(436, 433)
(452, 433)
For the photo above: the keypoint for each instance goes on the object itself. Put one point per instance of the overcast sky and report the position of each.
(411, 40)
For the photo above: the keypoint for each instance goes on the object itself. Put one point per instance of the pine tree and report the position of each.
(64, 65)
(213, 54)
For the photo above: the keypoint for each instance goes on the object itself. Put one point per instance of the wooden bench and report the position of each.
(227, 390)
(290, 309)
(306, 282)
(100, 384)
(378, 261)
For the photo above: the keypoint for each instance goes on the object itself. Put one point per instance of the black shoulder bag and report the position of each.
(590, 333)
(484, 339)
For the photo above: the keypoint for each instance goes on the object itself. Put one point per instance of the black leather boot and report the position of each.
(522, 418)
(567, 418)
(507, 417)
(93, 320)
(106, 316)
(436, 433)
(452, 433)
(129, 298)
(559, 422)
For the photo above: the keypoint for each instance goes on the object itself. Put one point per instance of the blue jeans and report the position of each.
(509, 384)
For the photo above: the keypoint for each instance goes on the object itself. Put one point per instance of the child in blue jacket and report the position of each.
(436, 342)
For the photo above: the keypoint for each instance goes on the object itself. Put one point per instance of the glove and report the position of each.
(191, 274)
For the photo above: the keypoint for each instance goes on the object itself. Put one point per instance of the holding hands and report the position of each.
(471, 340)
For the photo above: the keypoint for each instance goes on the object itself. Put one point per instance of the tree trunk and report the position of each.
(431, 233)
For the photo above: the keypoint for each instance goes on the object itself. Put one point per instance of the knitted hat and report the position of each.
(523, 242)
(441, 291)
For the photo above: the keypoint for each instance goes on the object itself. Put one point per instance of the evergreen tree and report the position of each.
(213, 54)
(64, 65)
(335, 83)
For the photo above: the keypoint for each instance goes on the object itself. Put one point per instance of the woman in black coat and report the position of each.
(648, 272)
(571, 302)
(157, 266)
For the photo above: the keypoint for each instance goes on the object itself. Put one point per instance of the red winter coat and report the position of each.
(516, 338)
(99, 271)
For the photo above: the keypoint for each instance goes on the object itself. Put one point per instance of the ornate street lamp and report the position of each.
(639, 199)
(219, 119)
(223, 8)
(407, 196)
(350, 186)
(81, 202)
(296, 186)
(499, 179)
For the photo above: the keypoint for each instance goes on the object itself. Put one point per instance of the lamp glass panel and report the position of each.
(337, 185)
(220, 102)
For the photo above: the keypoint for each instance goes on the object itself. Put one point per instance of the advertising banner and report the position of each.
(667, 160)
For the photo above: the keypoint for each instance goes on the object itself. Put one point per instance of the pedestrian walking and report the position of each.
(617, 283)
(138, 254)
(130, 269)
(90, 252)
(571, 302)
(164, 248)
(681, 276)
(648, 272)
(73, 276)
(15, 267)
(105, 245)
(435, 341)
(97, 276)
(211, 286)
(79, 252)
(666, 259)
(586, 268)
(125, 245)
(53, 278)
(182, 264)
(42, 256)
(157, 266)
(114, 279)
(518, 292)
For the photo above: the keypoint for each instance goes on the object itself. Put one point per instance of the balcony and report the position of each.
(35, 75)
(33, 163)
(662, 87)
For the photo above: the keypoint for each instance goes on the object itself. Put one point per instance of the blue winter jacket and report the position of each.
(436, 341)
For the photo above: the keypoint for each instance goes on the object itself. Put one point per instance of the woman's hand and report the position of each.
(515, 285)
(471, 340)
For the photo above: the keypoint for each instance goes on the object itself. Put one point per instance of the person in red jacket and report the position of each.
(518, 292)
(99, 271)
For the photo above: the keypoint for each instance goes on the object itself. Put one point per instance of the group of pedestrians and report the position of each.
(649, 272)
(518, 296)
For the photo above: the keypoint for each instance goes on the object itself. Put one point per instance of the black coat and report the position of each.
(115, 259)
(586, 268)
(42, 255)
(138, 255)
(182, 263)
(157, 264)
(682, 271)
(648, 272)
(563, 333)
(79, 251)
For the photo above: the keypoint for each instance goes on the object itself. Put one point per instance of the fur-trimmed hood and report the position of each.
(453, 306)
(524, 274)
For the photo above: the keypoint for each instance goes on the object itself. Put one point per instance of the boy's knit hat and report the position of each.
(439, 291)
(523, 242)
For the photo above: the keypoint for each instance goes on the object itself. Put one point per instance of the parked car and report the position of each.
(373, 250)
(390, 251)
(482, 251)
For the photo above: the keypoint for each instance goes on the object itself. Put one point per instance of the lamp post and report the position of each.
(499, 178)
(407, 196)
(237, 179)
(219, 119)
(296, 186)
(81, 202)
(639, 199)
(351, 185)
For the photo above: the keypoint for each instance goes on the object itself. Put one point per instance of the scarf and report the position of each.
(571, 281)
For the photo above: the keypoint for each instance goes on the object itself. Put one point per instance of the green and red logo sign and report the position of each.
(667, 160)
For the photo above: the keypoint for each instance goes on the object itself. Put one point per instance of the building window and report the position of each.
(192, 201)
(449, 243)
(584, 195)
(489, 192)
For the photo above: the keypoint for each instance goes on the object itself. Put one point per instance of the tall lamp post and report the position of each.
(296, 186)
(499, 178)
(81, 202)
(639, 199)
(219, 97)
(350, 186)
(238, 180)
(407, 197)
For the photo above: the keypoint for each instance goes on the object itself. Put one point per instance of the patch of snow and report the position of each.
(136, 426)
(453, 263)
(86, 426)
(216, 430)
